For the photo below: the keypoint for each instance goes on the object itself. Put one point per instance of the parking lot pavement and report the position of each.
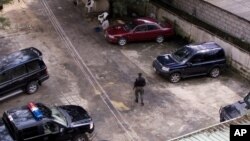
(86, 70)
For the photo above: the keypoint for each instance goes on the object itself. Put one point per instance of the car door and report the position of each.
(41, 132)
(139, 33)
(153, 31)
(19, 77)
(51, 130)
(5, 83)
(32, 133)
(195, 65)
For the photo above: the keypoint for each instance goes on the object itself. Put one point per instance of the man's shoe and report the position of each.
(142, 104)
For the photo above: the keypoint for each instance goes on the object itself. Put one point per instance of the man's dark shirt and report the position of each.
(139, 82)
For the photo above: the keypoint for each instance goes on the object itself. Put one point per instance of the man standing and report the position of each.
(140, 82)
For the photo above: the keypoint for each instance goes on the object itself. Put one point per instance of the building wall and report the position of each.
(99, 5)
(216, 16)
(236, 57)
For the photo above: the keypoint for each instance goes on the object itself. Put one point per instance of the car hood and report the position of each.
(166, 60)
(117, 29)
(4, 133)
(76, 115)
(237, 109)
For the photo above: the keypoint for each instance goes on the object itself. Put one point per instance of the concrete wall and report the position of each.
(237, 58)
(216, 16)
(99, 5)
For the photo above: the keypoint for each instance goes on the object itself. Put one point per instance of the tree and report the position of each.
(119, 8)
(2, 2)
(3, 21)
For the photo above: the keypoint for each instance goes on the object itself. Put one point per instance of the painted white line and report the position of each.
(88, 74)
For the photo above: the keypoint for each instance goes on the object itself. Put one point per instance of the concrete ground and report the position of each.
(86, 70)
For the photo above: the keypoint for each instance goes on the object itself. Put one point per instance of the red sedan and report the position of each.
(140, 29)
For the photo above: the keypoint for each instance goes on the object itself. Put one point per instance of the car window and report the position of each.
(209, 57)
(220, 54)
(142, 28)
(51, 127)
(129, 26)
(32, 132)
(214, 55)
(33, 66)
(4, 77)
(182, 54)
(152, 27)
(198, 58)
(18, 71)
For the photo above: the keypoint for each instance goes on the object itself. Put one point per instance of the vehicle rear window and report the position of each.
(18, 71)
(33, 66)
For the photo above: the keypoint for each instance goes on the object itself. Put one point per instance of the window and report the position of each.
(197, 58)
(32, 132)
(19, 71)
(5, 77)
(220, 54)
(141, 28)
(209, 57)
(152, 27)
(51, 128)
(182, 54)
(33, 66)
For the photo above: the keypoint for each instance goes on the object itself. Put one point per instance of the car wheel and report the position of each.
(222, 120)
(32, 87)
(159, 39)
(215, 72)
(122, 41)
(81, 137)
(175, 77)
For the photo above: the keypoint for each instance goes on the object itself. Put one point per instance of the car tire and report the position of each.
(32, 87)
(81, 137)
(222, 120)
(122, 41)
(175, 77)
(215, 72)
(160, 39)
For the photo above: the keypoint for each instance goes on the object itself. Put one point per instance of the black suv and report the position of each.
(21, 71)
(236, 109)
(191, 60)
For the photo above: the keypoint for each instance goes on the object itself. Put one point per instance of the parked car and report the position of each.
(191, 60)
(21, 71)
(140, 29)
(37, 122)
(236, 109)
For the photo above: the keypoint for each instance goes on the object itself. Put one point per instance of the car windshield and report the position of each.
(182, 54)
(129, 26)
(58, 116)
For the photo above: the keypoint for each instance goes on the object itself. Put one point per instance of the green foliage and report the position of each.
(4, 22)
(5, 1)
(120, 7)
